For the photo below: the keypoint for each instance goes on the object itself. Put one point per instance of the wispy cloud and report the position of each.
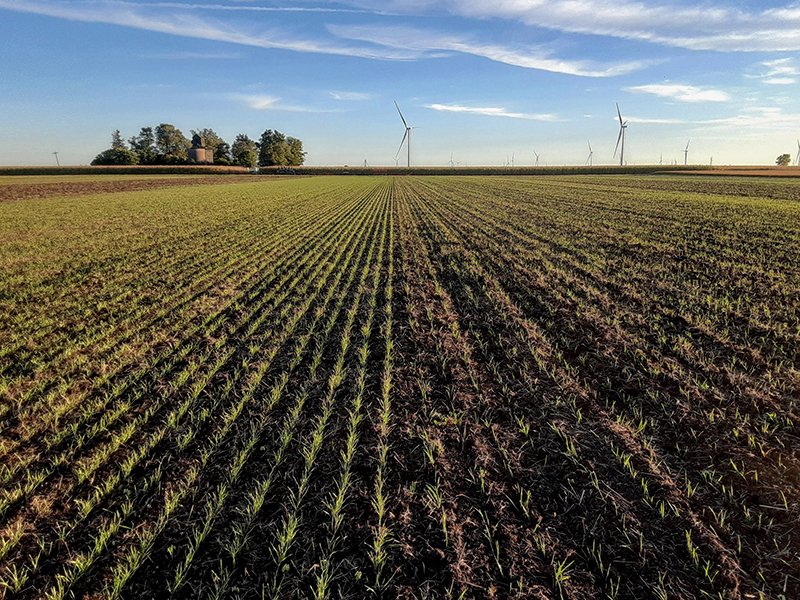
(177, 20)
(648, 121)
(264, 102)
(684, 93)
(252, 8)
(750, 122)
(351, 96)
(375, 42)
(756, 121)
(780, 72)
(426, 41)
(491, 112)
(707, 26)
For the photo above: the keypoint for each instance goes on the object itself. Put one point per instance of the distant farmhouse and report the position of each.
(198, 153)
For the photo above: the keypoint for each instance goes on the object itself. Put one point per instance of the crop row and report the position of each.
(573, 387)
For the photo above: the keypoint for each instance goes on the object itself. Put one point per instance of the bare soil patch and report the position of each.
(35, 191)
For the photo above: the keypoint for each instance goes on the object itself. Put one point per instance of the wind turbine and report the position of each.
(623, 125)
(686, 154)
(407, 134)
(451, 160)
(537, 157)
(797, 160)
(589, 158)
(56, 155)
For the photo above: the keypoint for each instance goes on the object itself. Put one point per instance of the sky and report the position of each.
(482, 82)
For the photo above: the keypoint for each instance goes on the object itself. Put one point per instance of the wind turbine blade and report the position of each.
(401, 144)
(687, 144)
(619, 114)
(401, 114)
(619, 139)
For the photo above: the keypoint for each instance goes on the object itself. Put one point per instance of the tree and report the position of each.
(272, 149)
(247, 158)
(222, 154)
(784, 160)
(241, 144)
(295, 152)
(144, 146)
(171, 144)
(117, 143)
(116, 156)
(276, 149)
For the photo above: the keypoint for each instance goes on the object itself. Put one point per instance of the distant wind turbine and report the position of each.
(407, 134)
(589, 158)
(686, 154)
(537, 157)
(797, 160)
(623, 125)
(451, 160)
(56, 155)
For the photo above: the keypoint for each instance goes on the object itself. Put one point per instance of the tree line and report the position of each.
(166, 145)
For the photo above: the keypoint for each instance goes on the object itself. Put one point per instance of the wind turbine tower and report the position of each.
(797, 160)
(686, 154)
(407, 134)
(589, 158)
(537, 157)
(623, 125)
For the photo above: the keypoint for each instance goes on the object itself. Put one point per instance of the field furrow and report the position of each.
(402, 387)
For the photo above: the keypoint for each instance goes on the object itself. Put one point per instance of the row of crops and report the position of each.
(576, 387)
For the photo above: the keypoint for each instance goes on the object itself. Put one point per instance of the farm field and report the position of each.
(400, 387)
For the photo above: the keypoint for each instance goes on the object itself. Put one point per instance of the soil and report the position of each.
(34, 191)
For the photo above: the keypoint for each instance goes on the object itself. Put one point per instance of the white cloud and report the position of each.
(181, 22)
(705, 26)
(654, 121)
(754, 122)
(781, 66)
(384, 43)
(264, 102)
(424, 42)
(781, 71)
(491, 112)
(351, 96)
(684, 93)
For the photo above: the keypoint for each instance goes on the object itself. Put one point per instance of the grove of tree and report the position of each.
(166, 145)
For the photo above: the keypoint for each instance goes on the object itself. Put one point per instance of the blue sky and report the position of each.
(484, 82)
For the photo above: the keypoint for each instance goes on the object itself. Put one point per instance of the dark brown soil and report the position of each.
(34, 191)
